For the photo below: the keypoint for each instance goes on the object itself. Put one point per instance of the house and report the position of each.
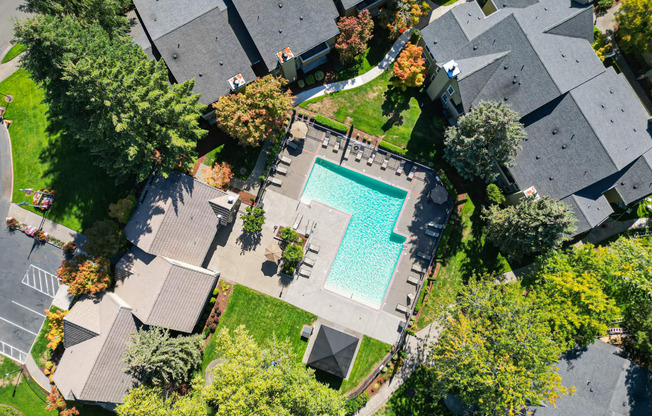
(588, 134)
(225, 44)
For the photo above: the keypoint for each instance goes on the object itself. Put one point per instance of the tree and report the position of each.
(55, 328)
(219, 176)
(84, 274)
(355, 32)
(494, 194)
(635, 25)
(266, 381)
(532, 226)
(153, 401)
(104, 239)
(292, 255)
(154, 358)
(409, 69)
(405, 14)
(109, 14)
(122, 209)
(255, 111)
(490, 133)
(496, 352)
(289, 235)
(110, 98)
(55, 402)
(253, 219)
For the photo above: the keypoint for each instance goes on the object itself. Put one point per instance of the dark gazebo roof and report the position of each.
(333, 351)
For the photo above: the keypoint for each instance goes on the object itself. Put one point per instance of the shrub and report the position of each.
(293, 253)
(357, 403)
(40, 236)
(224, 285)
(391, 148)
(253, 219)
(216, 291)
(319, 75)
(69, 248)
(84, 274)
(121, 210)
(605, 4)
(310, 79)
(55, 328)
(219, 175)
(213, 299)
(289, 235)
(301, 83)
(494, 194)
(415, 36)
(334, 125)
(11, 222)
(104, 239)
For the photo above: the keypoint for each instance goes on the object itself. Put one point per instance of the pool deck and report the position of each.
(241, 260)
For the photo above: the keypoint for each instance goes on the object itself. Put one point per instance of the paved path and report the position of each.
(360, 79)
(417, 348)
(6, 171)
(8, 12)
(600, 234)
(57, 231)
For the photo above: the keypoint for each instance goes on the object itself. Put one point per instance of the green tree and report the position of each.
(289, 235)
(253, 219)
(105, 239)
(255, 111)
(494, 194)
(266, 381)
(152, 401)
(635, 25)
(155, 358)
(496, 352)
(110, 98)
(490, 133)
(532, 226)
(109, 14)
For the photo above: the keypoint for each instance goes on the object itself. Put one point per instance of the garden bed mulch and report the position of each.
(221, 300)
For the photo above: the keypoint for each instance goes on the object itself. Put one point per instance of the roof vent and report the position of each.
(602, 105)
(551, 178)
(174, 56)
(505, 98)
(231, 199)
(475, 47)
(635, 186)
(201, 75)
(280, 31)
(563, 146)
(538, 157)
(622, 110)
(300, 17)
(555, 131)
(434, 42)
(635, 130)
(611, 91)
(221, 63)
(280, 5)
(577, 60)
(505, 67)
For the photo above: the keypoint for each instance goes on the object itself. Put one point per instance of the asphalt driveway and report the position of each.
(8, 12)
(27, 286)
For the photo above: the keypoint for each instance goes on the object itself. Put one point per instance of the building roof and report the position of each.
(607, 384)
(137, 33)
(92, 370)
(333, 351)
(347, 4)
(636, 181)
(175, 218)
(163, 292)
(298, 24)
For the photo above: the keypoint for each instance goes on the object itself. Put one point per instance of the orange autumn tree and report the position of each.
(404, 15)
(55, 328)
(219, 176)
(84, 274)
(55, 401)
(409, 69)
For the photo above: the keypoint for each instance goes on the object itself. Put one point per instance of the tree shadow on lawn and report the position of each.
(427, 138)
(220, 147)
(396, 101)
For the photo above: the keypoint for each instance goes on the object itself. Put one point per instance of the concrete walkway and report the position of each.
(417, 348)
(36, 373)
(360, 79)
(53, 229)
(599, 234)
(9, 68)
(6, 171)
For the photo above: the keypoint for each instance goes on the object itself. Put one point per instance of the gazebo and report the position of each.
(333, 351)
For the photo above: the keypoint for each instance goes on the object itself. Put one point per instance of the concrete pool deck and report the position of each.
(241, 260)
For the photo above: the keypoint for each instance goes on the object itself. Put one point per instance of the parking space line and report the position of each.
(29, 309)
(30, 279)
(18, 326)
(6, 347)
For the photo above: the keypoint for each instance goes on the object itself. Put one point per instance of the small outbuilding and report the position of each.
(333, 351)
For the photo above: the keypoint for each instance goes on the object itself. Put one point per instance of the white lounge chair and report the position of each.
(297, 221)
(412, 172)
(416, 267)
(314, 248)
(276, 181)
(435, 225)
(423, 255)
(281, 170)
(336, 148)
(358, 156)
(401, 308)
(410, 298)
(413, 280)
(309, 227)
(370, 161)
(292, 145)
(324, 142)
(304, 272)
(285, 159)
(431, 233)
(401, 168)
(308, 261)
(384, 165)
(347, 153)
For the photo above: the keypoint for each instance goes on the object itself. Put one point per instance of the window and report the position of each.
(437, 70)
(450, 90)
(432, 77)
(444, 98)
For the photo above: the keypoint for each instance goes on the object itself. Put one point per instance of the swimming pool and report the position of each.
(369, 251)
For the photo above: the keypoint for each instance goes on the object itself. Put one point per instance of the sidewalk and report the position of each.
(360, 79)
(8, 68)
(53, 229)
(36, 373)
(599, 234)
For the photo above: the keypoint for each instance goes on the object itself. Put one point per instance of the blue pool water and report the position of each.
(370, 249)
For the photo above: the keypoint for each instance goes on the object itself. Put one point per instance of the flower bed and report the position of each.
(38, 235)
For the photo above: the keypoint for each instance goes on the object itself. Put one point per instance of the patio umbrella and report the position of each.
(299, 130)
(273, 252)
(439, 194)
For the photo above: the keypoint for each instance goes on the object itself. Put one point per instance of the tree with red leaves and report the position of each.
(219, 176)
(84, 274)
(55, 401)
(404, 15)
(409, 69)
(355, 32)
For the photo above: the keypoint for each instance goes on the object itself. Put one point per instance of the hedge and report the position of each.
(422, 295)
(335, 125)
(392, 148)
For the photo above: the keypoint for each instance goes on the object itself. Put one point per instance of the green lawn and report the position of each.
(379, 45)
(44, 158)
(40, 351)
(371, 352)
(239, 157)
(381, 110)
(263, 316)
(15, 50)
(466, 254)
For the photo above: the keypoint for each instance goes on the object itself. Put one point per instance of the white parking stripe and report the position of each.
(18, 326)
(13, 353)
(29, 309)
(50, 286)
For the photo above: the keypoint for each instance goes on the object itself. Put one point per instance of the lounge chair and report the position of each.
(410, 298)
(297, 221)
(309, 227)
(308, 261)
(413, 280)
(304, 272)
(384, 165)
(416, 267)
(358, 156)
(285, 159)
(431, 233)
(401, 168)
(412, 172)
(314, 248)
(370, 161)
(276, 181)
(336, 148)
(402, 308)
(292, 145)
(423, 255)
(281, 170)
(347, 153)
(435, 225)
(324, 142)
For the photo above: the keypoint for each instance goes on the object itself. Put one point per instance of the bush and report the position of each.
(69, 248)
(224, 285)
(415, 36)
(213, 299)
(84, 274)
(357, 403)
(289, 235)
(12, 222)
(391, 148)
(310, 79)
(334, 125)
(104, 239)
(253, 220)
(319, 75)
(216, 291)
(301, 83)
(605, 4)
(122, 209)
(40, 236)
(494, 194)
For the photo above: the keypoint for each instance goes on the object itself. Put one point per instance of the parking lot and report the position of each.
(27, 286)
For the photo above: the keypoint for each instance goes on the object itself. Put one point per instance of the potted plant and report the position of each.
(40, 236)
(69, 248)
(11, 222)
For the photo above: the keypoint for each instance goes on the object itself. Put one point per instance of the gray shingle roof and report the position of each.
(444, 37)
(607, 384)
(93, 370)
(636, 181)
(347, 4)
(175, 219)
(163, 16)
(163, 292)
(137, 33)
(589, 210)
(298, 24)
